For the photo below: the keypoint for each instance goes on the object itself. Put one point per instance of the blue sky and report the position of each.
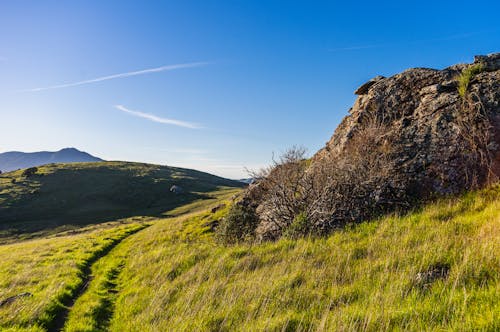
(212, 85)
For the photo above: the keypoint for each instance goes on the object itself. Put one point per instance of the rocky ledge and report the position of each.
(427, 122)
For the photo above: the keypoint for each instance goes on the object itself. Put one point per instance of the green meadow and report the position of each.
(51, 271)
(437, 268)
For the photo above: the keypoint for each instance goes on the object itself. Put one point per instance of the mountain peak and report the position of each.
(69, 149)
(10, 161)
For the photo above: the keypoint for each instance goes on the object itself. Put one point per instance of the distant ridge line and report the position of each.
(14, 160)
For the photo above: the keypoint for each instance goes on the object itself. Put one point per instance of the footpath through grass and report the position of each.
(67, 280)
(40, 278)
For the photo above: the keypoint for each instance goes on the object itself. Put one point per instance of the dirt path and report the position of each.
(61, 317)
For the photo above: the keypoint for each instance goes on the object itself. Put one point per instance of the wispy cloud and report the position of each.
(121, 75)
(412, 42)
(158, 119)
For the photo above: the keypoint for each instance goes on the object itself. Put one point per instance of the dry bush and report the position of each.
(298, 196)
(306, 197)
(476, 132)
(286, 192)
(358, 184)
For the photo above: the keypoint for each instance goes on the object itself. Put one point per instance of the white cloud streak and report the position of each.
(158, 119)
(414, 42)
(121, 75)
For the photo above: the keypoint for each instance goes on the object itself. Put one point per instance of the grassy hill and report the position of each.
(435, 269)
(81, 193)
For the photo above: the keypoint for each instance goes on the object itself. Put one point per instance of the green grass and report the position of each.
(52, 271)
(93, 310)
(435, 269)
(64, 196)
(466, 77)
(176, 278)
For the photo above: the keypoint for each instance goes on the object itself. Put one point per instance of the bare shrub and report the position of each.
(358, 184)
(315, 196)
(285, 194)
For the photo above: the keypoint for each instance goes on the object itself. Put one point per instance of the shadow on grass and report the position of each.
(79, 195)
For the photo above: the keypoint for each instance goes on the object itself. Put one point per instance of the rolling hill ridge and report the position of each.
(82, 193)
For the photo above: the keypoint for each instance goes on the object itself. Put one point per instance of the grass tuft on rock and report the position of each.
(467, 76)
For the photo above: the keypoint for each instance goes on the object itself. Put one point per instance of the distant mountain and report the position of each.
(10, 161)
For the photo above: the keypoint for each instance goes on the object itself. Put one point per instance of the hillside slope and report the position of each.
(433, 269)
(13, 160)
(79, 193)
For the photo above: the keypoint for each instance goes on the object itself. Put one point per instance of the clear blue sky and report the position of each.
(212, 85)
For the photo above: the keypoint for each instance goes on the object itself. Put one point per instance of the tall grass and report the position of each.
(434, 269)
(438, 268)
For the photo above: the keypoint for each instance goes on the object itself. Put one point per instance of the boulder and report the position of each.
(176, 189)
(408, 138)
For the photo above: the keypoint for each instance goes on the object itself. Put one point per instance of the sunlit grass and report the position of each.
(174, 276)
(467, 76)
(92, 311)
(367, 277)
(51, 271)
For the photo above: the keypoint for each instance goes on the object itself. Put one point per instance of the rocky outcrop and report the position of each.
(424, 116)
(410, 137)
(363, 89)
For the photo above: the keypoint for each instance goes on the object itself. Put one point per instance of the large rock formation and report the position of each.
(410, 137)
(429, 124)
